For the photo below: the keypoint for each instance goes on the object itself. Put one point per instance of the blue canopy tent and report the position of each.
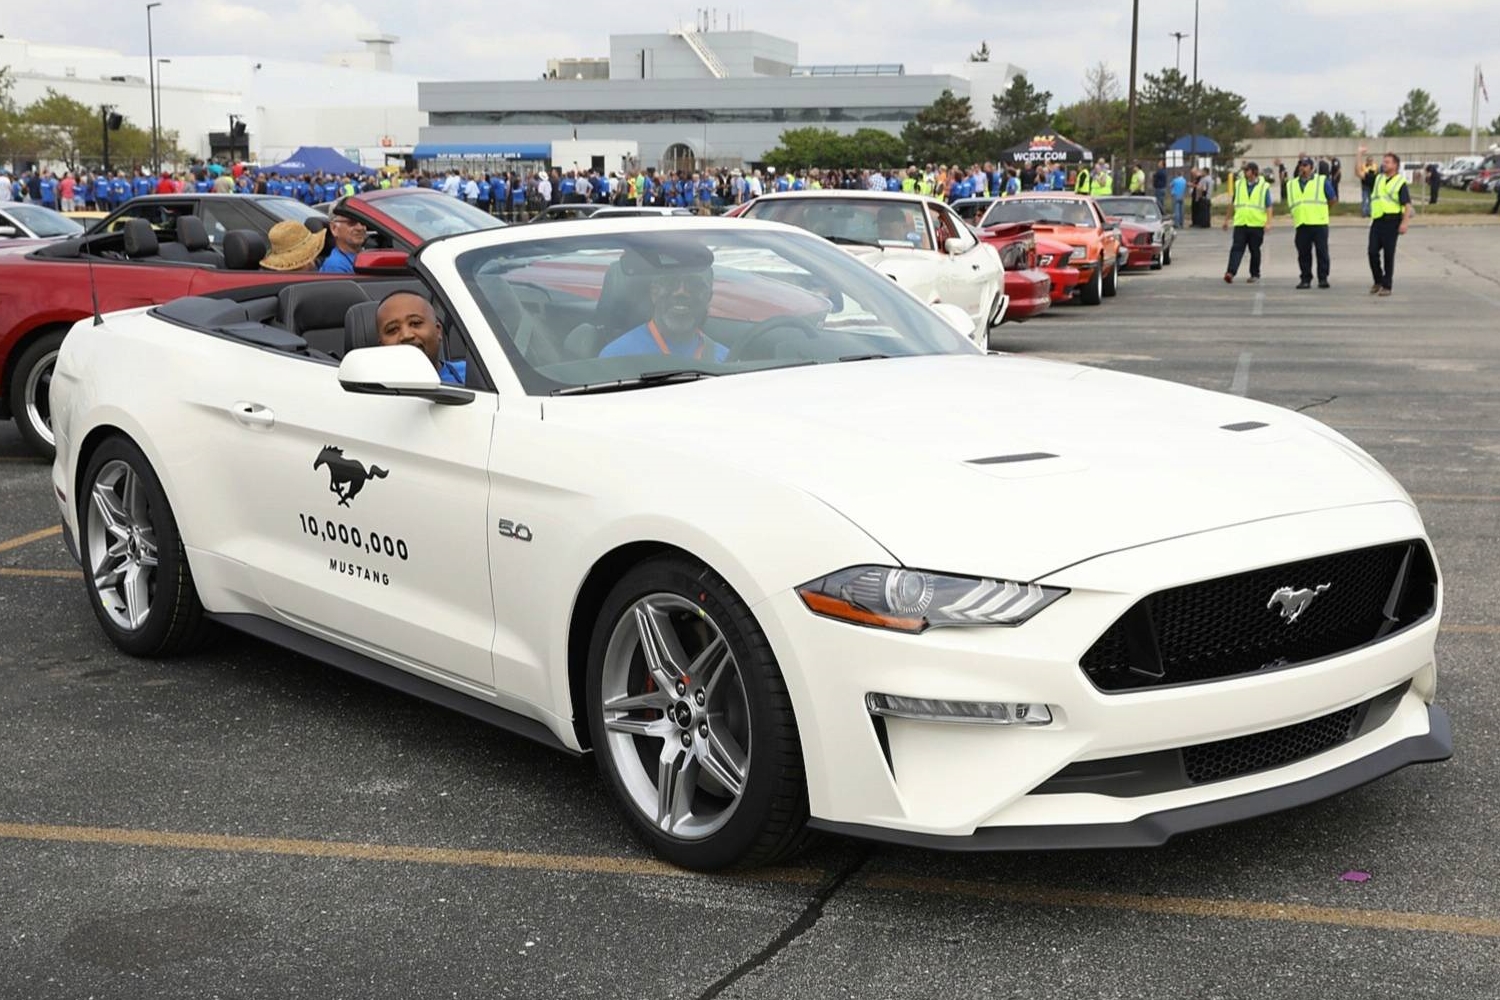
(317, 160)
(1200, 145)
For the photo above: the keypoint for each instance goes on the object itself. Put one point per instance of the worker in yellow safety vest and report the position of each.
(1251, 212)
(1308, 195)
(1104, 181)
(1084, 184)
(1390, 210)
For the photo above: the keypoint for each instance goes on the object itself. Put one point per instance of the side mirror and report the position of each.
(9, 231)
(953, 245)
(399, 370)
(367, 261)
(956, 317)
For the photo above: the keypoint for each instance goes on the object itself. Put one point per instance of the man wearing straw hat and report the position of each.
(293, 248)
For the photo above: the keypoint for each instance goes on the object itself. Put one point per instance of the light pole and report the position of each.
(1193, 116)
(1135, 31)
(151, 61)
(161, 121)
(1179, 35)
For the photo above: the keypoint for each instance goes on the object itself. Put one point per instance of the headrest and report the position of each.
(243, 249)
(503, 299)
(315, 224)
(140, 238)
(191, 233)
(359, 326)
(319, 305)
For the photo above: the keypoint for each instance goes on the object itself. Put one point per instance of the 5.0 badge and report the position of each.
(516, 530)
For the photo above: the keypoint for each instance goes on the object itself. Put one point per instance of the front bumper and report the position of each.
(1066, 282)
(906, 779)
(1154, 829)
(1144, 256)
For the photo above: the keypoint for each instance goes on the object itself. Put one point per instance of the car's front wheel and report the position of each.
(1166, 256)
(1111, 283)
(134, 563)
(691, 720)
(1093, 292)
(30, 392)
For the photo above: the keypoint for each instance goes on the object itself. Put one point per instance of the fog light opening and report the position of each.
(990, 713)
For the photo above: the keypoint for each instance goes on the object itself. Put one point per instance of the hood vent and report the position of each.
(1246, 425)
(1028, 456)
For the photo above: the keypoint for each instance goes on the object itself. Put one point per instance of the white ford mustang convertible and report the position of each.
(765, 533)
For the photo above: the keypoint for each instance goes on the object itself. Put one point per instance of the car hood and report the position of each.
(927, 454)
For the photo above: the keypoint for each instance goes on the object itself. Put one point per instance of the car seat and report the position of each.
(244, 249)
(317, 310)
(139, 239)
(192, 237)
(624, 304)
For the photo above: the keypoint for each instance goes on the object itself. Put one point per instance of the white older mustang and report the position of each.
(765, 533)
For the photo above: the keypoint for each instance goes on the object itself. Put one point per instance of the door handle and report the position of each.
(253, 415)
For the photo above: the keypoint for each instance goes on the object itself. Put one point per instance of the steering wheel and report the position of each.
(762, 330)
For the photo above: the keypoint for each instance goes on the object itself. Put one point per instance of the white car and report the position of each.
(770, 537)
(21, 220)
(918, 241)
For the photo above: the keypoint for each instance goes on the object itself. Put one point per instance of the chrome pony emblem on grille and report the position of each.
(1294, 602)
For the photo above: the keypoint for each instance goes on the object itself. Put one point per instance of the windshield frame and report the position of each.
(453, 264)
(277, 205)
(399, 208)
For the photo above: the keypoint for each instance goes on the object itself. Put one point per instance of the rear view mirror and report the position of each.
(381, 261)
(953, 245)
(398, 370)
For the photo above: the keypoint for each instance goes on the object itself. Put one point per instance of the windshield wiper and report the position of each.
(864, 357)
(638, 382)
(849, 241)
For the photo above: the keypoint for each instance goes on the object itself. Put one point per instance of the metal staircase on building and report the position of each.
(703, 52)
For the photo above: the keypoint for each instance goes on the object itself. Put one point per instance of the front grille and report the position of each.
(1223, 628)
(1262, 751)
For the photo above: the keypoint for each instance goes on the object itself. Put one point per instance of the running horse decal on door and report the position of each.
(346, 477)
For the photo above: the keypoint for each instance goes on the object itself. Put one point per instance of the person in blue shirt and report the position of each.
(101, 193)
(348, 240)
(119, 191)
(407, 318)
(679, 308)
(1179, 198)
(141, 185)
(49, 191)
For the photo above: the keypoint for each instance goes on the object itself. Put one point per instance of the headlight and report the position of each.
(911, 600)
(1078, 253)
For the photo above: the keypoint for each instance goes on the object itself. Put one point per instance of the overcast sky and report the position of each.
(1355, 56)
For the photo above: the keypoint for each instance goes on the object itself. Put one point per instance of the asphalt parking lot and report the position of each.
(245, 822)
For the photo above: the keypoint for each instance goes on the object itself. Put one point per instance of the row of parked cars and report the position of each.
(1479, 172)
(996, 260)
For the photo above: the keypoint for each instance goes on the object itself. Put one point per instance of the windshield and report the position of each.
(1131, 208)
(1048, 211)
(874, 221)
(432, 215)
(44, 221)
(286, 208)
(582, 310)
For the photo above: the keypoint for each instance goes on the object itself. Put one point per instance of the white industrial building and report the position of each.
(351, 101)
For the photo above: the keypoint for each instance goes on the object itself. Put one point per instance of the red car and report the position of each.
(1030, 289)
(1043, 255)
(1147, 233)
(144, 255)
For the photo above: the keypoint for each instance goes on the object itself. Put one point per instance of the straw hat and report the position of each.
(293, 247)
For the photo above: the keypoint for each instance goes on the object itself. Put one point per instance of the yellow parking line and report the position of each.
(344, 850)
(1036, 895)
(35, 536)
(45, 574)
(1187, 906)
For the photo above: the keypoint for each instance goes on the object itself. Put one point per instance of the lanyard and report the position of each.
(662, 344)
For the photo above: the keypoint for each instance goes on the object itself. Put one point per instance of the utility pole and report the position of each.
(151, 64)
(1135, 32)
(1193, 116)
(104, 110)
(1179, 35)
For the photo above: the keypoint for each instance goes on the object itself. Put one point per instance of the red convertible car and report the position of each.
(1148, 234)
(1028, 296)
(158, 248)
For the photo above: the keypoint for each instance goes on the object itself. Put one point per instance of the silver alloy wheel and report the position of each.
(121, 545)
(675, 714)
(37, 395)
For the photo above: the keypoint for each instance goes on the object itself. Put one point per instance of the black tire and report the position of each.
(1111, 283)
(1093, 292)
(175, 623)
(30, 378)
(769, 823)
(1166, 257)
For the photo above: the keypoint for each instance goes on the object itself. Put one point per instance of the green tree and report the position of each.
(1099, 121)
(9, 118)
(1166, 112)
(982, 54)
(945, 132)
(1020, 113)
(1418, 115)
(872, 147)
(1453, 129)
(822, 147)
(1291, 127)
(1344, 127)
(1495, 126)
(56, 127)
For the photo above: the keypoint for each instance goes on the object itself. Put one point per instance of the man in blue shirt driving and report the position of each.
(407, 318)
(679, 307)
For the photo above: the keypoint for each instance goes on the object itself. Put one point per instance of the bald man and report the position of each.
(407, 318)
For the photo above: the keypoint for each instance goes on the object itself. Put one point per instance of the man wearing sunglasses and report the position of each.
(679, 307)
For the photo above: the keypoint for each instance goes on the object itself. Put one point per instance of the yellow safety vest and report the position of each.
(1138, 182)
(1308, 200)
(908, 185)
(925, 187)
(1105, 186)
(1250, 203)
(1386, 200)
(1084, 182)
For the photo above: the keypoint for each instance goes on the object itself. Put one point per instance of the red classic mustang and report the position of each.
(161, 247)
